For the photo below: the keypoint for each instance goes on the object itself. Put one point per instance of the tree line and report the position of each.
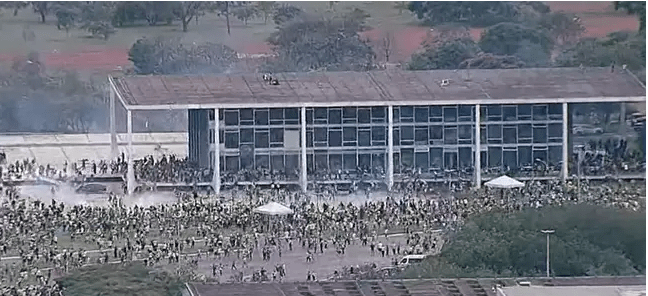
(589, 240)
(522, 34)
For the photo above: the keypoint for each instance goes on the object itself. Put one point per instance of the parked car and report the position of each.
(586, 130)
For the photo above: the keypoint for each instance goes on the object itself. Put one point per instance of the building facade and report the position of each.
(379, 124)
(432, 139)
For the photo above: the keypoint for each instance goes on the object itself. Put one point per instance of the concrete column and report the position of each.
(303, 180)
(114, 150)
(477, 146)
(565, 139)
(622, 119)
(130, 175)
(390, 147)
(216, 179)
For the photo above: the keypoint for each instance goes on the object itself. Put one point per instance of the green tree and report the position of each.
(187, 10)
(480, 13)
(516, 39)
(447, 56)
(401, 5)
(589, 240)
(286, 12)
(266, 8)
(42, 8)
(634, 7)
(619, 48)
(169, 56)
(15, 6)
(245, 12)
(96, 18)
(311, 43)
(67, 14)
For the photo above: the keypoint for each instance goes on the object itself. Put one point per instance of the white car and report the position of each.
(586, 130)
(411, 259)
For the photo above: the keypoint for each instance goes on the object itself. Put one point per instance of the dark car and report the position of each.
(91, 188)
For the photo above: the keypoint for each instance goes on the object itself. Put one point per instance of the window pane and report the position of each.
(349, 133)
(539, 112)
(378, 133)
(231, 118)
(524, 131)
(291, 113)
(262, 161)
(465, 157)
(261, 117)
(524, 155)
(510, 159)
(494, 157)
(450, 135)
(421, 114)
(276, 114)
(232, 163)
(364, 161)
(421, 160)
(378, 113)
(231, 140)
(407, 133)
(349, 112)
(436, 157)
(276, 135)
(335, 116)
(321, 161)
(436, 111)
(450, 160)
(277, 162)
(539, 135)
(261, 140)
(555, 155)
(494, 131)
(539, 155)
(555, 130)
(510, 135)
(320, 134)
(421, 135)
(364, 116)
(320, 113)
(510, 113)
(247, 114)
(555, 109)
(364, 138)
(407, 157)
(335, 138)
(436, 132)
(350, 161)
(407, 112)
(465, 111)
(465, 132)
(524, 111)
(335, 162)
(449, 114)
(494, 110)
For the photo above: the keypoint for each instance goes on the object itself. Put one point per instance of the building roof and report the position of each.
(575, 291)
(418, 287)
(379, 88)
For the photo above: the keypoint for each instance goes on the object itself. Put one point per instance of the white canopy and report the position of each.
(273, 208)
(504, 182)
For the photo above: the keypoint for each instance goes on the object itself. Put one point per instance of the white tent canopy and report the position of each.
(504, 182)
(273, 208)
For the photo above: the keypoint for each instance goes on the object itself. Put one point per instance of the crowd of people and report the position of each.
(198, 228)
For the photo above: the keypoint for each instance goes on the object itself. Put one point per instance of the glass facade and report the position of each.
(430, 138)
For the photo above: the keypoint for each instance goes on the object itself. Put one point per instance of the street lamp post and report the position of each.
(547, 232)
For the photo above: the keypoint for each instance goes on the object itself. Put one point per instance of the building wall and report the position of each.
(432, 138)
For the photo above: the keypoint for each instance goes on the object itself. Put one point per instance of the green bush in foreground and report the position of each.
(116, 279)
(589, 241)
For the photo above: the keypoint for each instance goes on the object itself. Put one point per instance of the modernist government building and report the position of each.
(383, 122)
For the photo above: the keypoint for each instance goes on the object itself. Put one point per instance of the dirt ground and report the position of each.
(74, 50)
